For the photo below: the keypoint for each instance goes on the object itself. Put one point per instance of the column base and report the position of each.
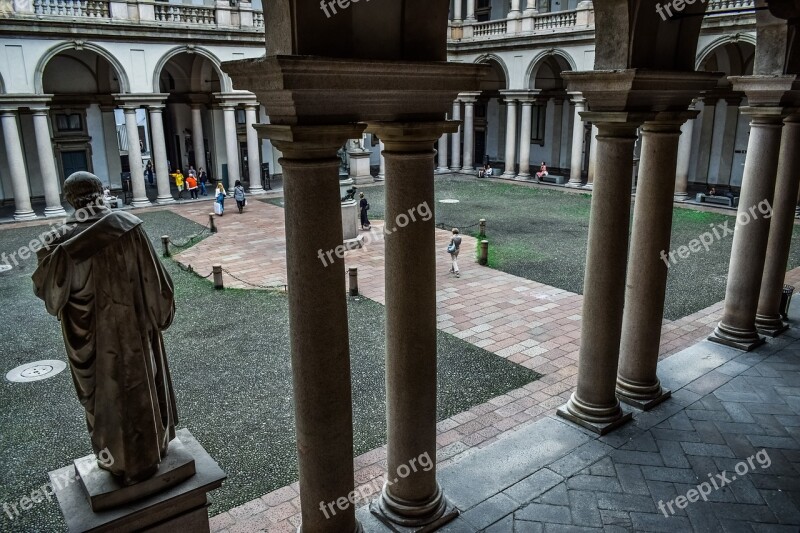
(771, 326)
(574, 184)
(522, 176)
(639, 395)
(25, 215)
(740, 339)
(54, 212)
(412, 516)
(588, 186)
(681, 197)
(256, 191)
(141, 202)
(164, 200)
(455, 169)
(380, 177)
(442, 170)
(600, 420)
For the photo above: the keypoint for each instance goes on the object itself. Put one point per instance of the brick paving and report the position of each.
(529, 323)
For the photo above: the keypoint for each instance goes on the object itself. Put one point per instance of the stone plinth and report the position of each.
(350, 225)
(182, 507)
(359, 167)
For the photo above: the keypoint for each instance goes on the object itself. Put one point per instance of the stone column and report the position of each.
(47, 163)
(524, 139)
(231, 144)
(135, 157)
(738, 325)
(768, 318)
(558, 117)
(576, 161)
(160, 154)
(706, 137)
(16, 165)
(637, 383)
(593, 158)
(684, 156)
(594, 404)
(470, 10)
(253, 150)
(457, 10)
(514, 12)
(511, 137)
(382, 170)
(455, 163)
(442, 152)
(198, 138)
(415, 500)
(728, 140)
(469, 133)
(320, 359)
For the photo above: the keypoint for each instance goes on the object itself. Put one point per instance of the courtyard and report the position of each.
(508, 339)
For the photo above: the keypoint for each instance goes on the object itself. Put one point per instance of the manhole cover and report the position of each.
(36, 371)
(448, 201)
(5, 268)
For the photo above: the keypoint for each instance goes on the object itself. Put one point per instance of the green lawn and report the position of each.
(229, 357)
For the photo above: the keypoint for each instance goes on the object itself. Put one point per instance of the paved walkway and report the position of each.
(528, 323)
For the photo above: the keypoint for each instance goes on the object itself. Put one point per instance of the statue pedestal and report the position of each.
(180, 507)
(359, 167)
(351, 224)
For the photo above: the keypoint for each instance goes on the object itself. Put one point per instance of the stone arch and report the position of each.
(704, 54)
(122, 76)
(499, 67)
(555, 59)
(224, 81)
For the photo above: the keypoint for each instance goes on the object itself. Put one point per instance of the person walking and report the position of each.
(179, 183)
(191, 184)
(148, 172)
(363, 204)
(238, 195)
(453, 248)
(202, 178)
(219, 202)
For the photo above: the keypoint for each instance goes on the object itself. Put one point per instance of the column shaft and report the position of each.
(576, 161)
(768, 317)
(231, 146)
(47, 164)
(160, 155)
(416, 499)
(470, 9)
(16, 166)
(525, 141)
(511, 139)
(253, 151)
(320, 357)
(637, 382)
(684, 156)
(469, 134)
(135, 158)
(382, 169)
(457, 10)
(738, 325)
(456, 139)
(593, 158)
(198, 139)
(442, 152)
(594, 403)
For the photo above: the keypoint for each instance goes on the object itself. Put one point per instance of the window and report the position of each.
(69, 122)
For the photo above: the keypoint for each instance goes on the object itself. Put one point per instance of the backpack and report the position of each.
(238, 194)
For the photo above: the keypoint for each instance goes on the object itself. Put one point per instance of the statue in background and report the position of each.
(102, 278)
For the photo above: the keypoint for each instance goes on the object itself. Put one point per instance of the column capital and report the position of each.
(519, 95)
(766, 91)
(469, 97)
(611, 124)
(765, 114)
(40, 110)
(668, 122)
(139, 100)
(309, 142)
(411, 136)
(17, 101)
(234, 99)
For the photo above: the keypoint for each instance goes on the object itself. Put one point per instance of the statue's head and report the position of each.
(82, 189)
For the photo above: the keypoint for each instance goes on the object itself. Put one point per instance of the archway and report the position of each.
(490, 112)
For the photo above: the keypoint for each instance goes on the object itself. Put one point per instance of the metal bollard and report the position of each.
(211, 226)
(165, 242)
(482, 232)
(483, 259)
(353, 281)
(217, 270)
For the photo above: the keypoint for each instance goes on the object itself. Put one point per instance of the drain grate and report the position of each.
(36, 371)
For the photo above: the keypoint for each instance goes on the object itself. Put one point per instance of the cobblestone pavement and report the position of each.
(528, 323)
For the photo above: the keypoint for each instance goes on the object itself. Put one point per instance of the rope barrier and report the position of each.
(191, 270)
(192, 239)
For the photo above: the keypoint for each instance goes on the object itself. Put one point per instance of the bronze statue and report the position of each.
(102, 278)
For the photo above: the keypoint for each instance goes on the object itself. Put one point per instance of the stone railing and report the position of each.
(551, 21)
(729, 5)
(72, 8)
(184, 14)
(495, 27)
(258, 19)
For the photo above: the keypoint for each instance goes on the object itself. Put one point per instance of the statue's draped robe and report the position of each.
(104, 282)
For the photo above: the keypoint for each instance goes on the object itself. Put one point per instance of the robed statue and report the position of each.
(100, 276)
